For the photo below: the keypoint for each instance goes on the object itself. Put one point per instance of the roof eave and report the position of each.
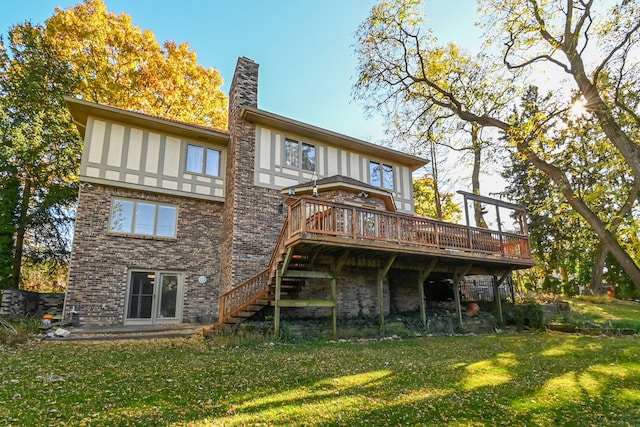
(81, 110)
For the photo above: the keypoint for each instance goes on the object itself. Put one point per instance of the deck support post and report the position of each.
(276, 303)
(342, 261)
(381, 275)
(496, 295)
(422, 276)
(334, 309)
(456, 293)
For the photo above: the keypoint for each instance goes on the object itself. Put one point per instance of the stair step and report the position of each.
(284, 287)
(245, 314)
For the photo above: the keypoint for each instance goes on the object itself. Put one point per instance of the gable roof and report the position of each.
(81, 110)
(255, 115)
(341, 182)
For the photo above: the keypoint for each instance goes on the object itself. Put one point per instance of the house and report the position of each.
(178, 222)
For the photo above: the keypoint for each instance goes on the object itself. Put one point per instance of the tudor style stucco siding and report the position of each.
(101, 261)
(272, 172)
(122, 155)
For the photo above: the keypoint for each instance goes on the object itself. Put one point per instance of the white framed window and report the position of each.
(381, 175)
(205, 161)
(299, 155)
(143, 218)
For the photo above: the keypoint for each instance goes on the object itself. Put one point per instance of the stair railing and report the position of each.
(238, 298)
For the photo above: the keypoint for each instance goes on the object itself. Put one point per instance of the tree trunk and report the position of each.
(436, 185)
(601, 255)
(20, 233)
(475, 175)
(629, 149)
(557, 176)
(597, 270)
(606, 237)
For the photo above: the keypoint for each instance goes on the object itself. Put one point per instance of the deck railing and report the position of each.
(314, 216)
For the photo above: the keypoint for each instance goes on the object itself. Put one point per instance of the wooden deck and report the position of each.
(320, 237)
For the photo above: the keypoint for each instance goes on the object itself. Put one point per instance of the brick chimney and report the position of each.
(250, 219)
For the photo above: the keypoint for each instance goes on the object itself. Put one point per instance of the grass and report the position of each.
(604, 312)
(536, 379)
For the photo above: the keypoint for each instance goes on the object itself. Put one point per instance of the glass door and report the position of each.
(154, 297)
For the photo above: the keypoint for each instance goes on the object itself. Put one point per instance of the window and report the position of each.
(308, 157)
(203, 161)
(291, 153)
(299, 156)
(143, 218)
(381, 175)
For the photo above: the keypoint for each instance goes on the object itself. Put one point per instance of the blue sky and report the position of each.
(304, 47)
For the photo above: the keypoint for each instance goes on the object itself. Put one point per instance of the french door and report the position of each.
(153, 297)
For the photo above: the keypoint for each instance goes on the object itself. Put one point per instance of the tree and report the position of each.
(40, 149)
(425, 197)
(414, 118)
(560, 238)
(395, 57)
(118, 64)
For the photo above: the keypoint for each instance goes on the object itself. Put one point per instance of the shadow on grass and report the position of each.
(534, 379)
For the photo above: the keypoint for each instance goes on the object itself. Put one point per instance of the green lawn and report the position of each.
(534, 379)
(605, 312)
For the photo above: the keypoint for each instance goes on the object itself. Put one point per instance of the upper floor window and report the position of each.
(299, 155)
(381, 175)
(203, 160)
(143, 218)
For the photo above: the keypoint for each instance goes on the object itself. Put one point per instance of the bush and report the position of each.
(14, 331)
(528, 315)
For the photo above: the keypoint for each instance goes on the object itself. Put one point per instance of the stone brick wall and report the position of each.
(404, 292)
(101, 261)
(31, 304)
(357, 295)
(341, 196)
(251, 219)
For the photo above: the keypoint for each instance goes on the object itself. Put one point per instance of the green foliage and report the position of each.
(41, 149)
(529, 315)
(44, 275)
(620, 283)
(561, 240)
(17, 330)
(521, 379)
(424, 197)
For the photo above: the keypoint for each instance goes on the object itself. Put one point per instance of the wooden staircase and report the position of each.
(253, 295)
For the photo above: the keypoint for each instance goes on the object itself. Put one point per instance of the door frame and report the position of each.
(154, 319)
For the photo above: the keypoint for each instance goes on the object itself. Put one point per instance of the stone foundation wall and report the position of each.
(30, 304)
(357, 296)
(405, 294)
